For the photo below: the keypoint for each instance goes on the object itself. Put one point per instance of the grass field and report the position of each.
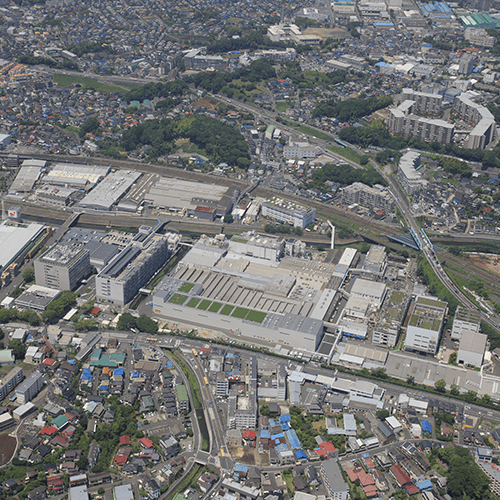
(86, 83)
(186, 287)
(315, 133)
(204, 305)
(178, 299)
(281, 106)
(397, 297)
(348, 153)
(256, 316)
(226, 310)
(193, 302)
(240, 312)
(215, 307)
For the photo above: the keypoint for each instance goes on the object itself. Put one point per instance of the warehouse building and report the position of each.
(56, 195)
(25, 180)
(16, 241)
(110, 191)
(193, 198)
(289, 212)
(37, 297)
(62, 267)
(75, 176)
(471, 349)
(425, 325)
(28, 389)
(120, 280)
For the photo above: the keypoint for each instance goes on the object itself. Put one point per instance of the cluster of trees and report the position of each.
(90, 126)
(303, 426)
(377, 134)
(152, 90)
(465, 478)
(345, 175)
(258, 71)
(59, 307)
(253, 41)
(304, 79)
(282, 229)
(351, 109)
(143, 323)
(454, 166)
(18, 348)
(437, 44)
(27, 316)
(220, 142)
(90, 48)
(35, 60)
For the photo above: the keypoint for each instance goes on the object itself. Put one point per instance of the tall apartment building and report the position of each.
(424, 103)
(465, 65)
(408, 175)
(11, 381)
(479, 117)
(425, 325)
(62, 267)
(121, 279)
(465, 322)
(28, 389)
(246, 418)
(182, 398)
(376, 197)
(289, 212)
(334, 481)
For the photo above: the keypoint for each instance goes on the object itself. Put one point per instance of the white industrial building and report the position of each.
(466, 321)
(289, 212)
(471, 349)
(425, 325)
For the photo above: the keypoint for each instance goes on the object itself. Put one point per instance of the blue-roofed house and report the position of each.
(424, 485)
(426, 426)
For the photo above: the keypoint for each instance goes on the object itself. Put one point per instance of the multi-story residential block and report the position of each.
(28, 389)
(377, 196)
(11, 381)
(408, 175)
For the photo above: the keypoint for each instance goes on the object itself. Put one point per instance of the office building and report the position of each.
(197, 59)
(11, 381)
(336, 486)
(425, 325)
(465, 65)
(28, 389)
(120, 280)
(376, 260)
(466, 321)
(408, 175)
(376, 197)
(289, 212)
(479, 37)
(300, 151)
(62, 267)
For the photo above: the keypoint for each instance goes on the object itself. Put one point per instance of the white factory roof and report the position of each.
(347, 257)
(13, 239)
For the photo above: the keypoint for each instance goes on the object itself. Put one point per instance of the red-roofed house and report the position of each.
(146, 443)
(48, 361)
(401, 477)
(124, 440)
(249, 435)
(70, 416)
(329, 449)
(411, 489)
(95, 310)
(321, 452)
(122, 456)
(55, 483)
(370, 464)
(351, 473)
(48, 430)
(60, 441)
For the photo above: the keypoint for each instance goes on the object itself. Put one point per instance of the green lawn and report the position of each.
(240, 312)
(193, 302)
(256, 316)
(226, 310)
(281, 106)
(348, 153)
(86, 83)
(186, 287)
(215, 307)
(178, 299)
(204, 305)
(397, 297)
(316, 133)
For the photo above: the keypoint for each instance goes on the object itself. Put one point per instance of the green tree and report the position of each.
(228, 218)
(382, 414)
(146, 324)
(18, 348)
(440, 385)
(28, 275)
(126, 322)
(455, 390)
